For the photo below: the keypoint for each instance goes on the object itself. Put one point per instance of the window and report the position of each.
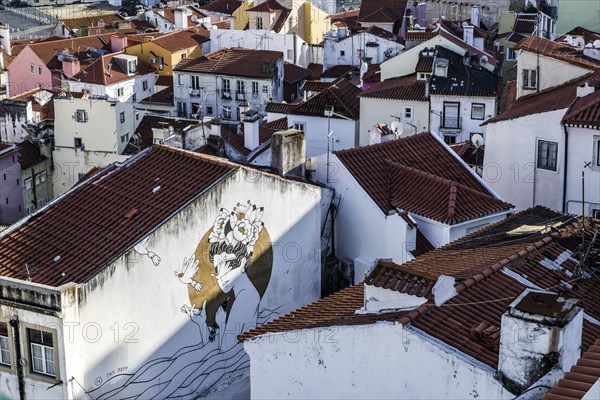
(122, 116)
(259, 23)
(80, 176)
(196, 82)
(450, 139)
(30, 209)
(423, 76)
(254, 89)
(42, 352)
(81, 116)
(39, 70)
(132, 66)
(225, 84)
(451, 115)
(28, 184)
(40, 178)
(145, 85)
(290, 54)
(478, 111)
(161, 63)
(209, 110)
(32, 68)
(596, 155)
(299, 126)
(4, 345)
(241, 86)
(120, 92)
(265, 88)
(133, 98)
(529, 79)
(511, 55)
(547, 155)
(181, 109)
(42, 202)
(78, 143)
(342, 53)
(180, 79)
(408, 112)
(227, 112)
(125, 138)
(596, 213)
(183, 55)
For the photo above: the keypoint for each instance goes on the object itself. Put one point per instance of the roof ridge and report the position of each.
(485, 273)
(452, 200)
(570, 114)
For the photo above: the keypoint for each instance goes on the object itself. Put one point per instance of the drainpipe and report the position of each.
(14, 322)
(564, 210)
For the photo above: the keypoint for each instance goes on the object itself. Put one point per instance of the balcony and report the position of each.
(240, 96)
(550, 11)
(450, 124)
(226, 95)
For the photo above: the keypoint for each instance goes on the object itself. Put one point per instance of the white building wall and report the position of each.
(350, 50)
(294, 49)
(344, 134)
(363, 364)
(468, 125)
(510, 163)
(551, 72)
(130, 88)
(583, 149)
(376, 111)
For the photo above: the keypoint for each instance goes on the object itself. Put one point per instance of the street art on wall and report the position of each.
(225, 279)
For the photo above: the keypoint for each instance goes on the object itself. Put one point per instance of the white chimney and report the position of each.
(288, 152)
(251, 122)
(585, 89)
(468, 35)
(540, 331)
(5, 38)
(215, 127)
(374, 136)
(475, 10)
(181, 21)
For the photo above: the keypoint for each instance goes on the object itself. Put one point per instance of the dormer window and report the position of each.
(441, 67)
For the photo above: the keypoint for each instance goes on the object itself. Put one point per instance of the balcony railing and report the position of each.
(550, 11)
(240, 96)
(451, 123)
(226, 95)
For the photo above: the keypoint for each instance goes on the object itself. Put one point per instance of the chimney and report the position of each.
(540, 331)
(5, 38)
(374, 136)
(215, 127)
(117, 43)
(288, 152)
(585, 89)
(468, 35)
(70, 66)
(181, 21)
(475, 10)
(251, 122)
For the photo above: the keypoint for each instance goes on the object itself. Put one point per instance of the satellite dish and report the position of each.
(596, 44)
(397, 128)
(417, 26)
(483, 60)
(579, 42)
(477, 139)
(465, 24)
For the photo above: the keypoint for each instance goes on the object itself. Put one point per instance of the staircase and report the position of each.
(327, 230)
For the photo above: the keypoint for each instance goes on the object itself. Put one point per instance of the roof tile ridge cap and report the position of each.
(592, 104)
(199, 156)
(452, 201)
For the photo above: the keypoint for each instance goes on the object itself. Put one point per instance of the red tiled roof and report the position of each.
(316, 70)
(338, 71)
(267, 129)
(342, 95)
(470, 153)
(48, 50)
(557, 50)
(164, 96)
(508, 95)
(373, 73)
(29, 154)
(233, 61)
(425, 64)
(381, 10)
(78, 235)
(395, 277)
(45, 111)
(402, 88)
(222, 6)
(491, 59)
(422, 245)
(422, 152)
(420, 36)
(270, 6)
(437, 198)
(293, 73)
(97, 20)
(278, 25)
(164, 80)
(316, 86)
(106, 71)
(585, 111)
(580, 379)
(586, 34)
(547, 100)
(180, 40)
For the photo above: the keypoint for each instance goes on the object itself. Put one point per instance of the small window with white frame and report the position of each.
(5, 358)
(478, 111)
(120, 92)
(511, 54)
(81, 116)
(299, 126)
(145, 85)
(530, 79)
(41, 348)
(40, 178)
(254, 89)
(408, 113)
(265, 89)
(227, 112)
(547, 155)
(27, 184)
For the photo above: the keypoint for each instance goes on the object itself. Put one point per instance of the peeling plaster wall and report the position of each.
(379, 361)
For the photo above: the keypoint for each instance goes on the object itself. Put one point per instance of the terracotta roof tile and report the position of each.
(547, 100)
(316, 69)
(470, 153)
(422, 151)
(96, 222)
(586, 34)
(425, 64)
(580, 379)
(29, 154)
(585, 111)
(164, 80)
(143, 136)
(338, 71)
(560, 51)
(234, 61)
(402, 88)
(395, 277)
(342, 95)
(373, 73)
(316, 86)
(293, 73)
(180, 40)
(270, 6)
(508, 95)
(164, 97)
(96, 20)
(222, 6)
(48, 50)
(419, 36)
(106, 71)
(381, 10)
